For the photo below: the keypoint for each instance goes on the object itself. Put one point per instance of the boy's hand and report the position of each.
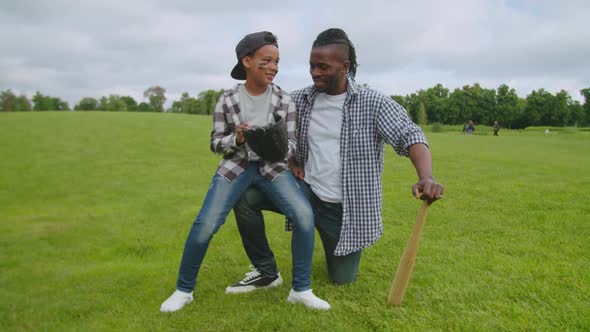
(240, 139)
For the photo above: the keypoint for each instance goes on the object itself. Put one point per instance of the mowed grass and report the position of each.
(95, 208)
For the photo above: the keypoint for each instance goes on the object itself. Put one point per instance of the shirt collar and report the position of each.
(351, 89)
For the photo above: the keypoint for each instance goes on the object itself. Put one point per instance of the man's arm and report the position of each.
(397, 129)
(426, 186)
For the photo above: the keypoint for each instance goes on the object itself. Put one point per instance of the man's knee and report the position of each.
(343, 269)
(343, 276)
(343, 279)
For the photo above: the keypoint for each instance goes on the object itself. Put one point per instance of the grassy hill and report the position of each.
(95, 208)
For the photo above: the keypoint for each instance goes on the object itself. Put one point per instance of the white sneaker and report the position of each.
(308, 299)
(176, 301)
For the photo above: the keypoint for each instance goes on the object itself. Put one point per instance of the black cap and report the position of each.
(248, 45)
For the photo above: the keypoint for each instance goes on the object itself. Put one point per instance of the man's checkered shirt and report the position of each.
(369, 120)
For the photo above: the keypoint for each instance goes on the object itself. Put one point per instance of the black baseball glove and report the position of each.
(270, 142)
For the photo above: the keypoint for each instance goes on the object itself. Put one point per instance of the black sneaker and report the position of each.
(254, 280)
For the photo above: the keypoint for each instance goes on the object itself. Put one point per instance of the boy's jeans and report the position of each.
(284, 192)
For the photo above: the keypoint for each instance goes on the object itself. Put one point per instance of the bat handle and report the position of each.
(406, 262)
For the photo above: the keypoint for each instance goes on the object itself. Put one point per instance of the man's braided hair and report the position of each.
(338, 36)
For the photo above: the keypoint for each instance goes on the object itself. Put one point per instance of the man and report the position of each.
(342, 130)
(496, 128)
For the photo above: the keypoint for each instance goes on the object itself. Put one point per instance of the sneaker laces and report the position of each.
(254, 273)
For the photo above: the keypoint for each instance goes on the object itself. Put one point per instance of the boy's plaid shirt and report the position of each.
(223, 134)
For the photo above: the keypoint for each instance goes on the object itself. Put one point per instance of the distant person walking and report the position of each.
(464, 128)
(496, 128)
(470, 128)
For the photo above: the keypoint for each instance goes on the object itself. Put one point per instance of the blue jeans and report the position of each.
(283, 191)
(328, 221)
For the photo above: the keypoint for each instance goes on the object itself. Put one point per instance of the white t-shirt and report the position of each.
(322, 169)
(256, 110)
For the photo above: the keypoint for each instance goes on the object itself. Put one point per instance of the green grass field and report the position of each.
(95, 208)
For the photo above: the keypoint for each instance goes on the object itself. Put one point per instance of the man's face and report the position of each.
(328, 66)
(263, 65)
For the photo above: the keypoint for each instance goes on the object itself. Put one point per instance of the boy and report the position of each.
(253, 104)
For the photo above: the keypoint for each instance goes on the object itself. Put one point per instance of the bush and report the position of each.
(569, 130)
(436, 127)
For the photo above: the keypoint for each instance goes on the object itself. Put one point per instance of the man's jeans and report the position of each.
(283, 191)
(328, 221)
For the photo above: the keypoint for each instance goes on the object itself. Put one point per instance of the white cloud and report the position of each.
(92, 48)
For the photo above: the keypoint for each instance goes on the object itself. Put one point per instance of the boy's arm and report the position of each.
(223, 134)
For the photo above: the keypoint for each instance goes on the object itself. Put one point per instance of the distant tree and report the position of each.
(104, 103)
(130, 103)
(47, 103)
(7, 101)
(412, 104)
(435, 100)
(506, 105)
(117, 104)
(561, 115)
(87, 104)
(176, 107)
(189, 104)
(208, 99)
(576, 114)
(144, 107)
(456, 107)
(40, 102)
(22, 103)
(156, 96)
(538, 108)
(478, 102)
(422, 116)
(586, 94)
(400, 100)
(62, 105)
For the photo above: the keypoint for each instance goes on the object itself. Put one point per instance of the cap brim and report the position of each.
(239, 73)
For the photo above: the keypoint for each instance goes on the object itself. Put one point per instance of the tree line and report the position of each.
(433, 105)
(484, 106)
(203, 103)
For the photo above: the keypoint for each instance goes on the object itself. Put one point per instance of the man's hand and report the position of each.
(297, 170)
(240, 139)
(428, 189)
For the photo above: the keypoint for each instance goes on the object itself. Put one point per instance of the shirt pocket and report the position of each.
(362, 143)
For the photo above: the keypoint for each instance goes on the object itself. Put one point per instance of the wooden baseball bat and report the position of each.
(406, 262)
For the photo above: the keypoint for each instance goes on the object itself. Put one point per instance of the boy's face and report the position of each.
(263, 65)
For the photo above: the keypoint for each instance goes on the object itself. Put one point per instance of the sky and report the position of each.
(93, 48)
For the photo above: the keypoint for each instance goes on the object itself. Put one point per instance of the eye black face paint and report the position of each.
(263, 64)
